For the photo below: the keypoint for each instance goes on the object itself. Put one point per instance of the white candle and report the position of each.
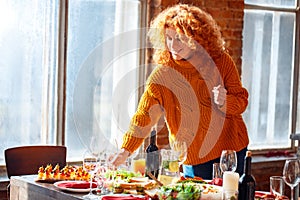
(230, 181)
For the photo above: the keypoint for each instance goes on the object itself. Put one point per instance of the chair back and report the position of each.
(25, 160)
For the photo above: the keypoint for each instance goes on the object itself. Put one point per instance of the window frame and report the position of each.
(60, 79)
(296, 70)
(61, 76)
(62, 65)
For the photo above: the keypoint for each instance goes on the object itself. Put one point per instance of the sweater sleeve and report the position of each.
(237, 96)
(148, 113)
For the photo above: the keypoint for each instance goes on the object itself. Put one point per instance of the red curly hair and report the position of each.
(192, 22)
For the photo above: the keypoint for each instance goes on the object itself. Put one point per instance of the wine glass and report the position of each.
(102, 176)
(91, 165)
(91, 160)
(180, 149)
(291, 174)
(228, 160)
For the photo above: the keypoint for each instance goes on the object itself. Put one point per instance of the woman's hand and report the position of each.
(119, 158)
(219, 95)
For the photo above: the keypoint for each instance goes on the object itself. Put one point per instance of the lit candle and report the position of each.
(230, 181)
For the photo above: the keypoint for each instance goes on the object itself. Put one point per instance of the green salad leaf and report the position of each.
(122, 174)
(179, 192)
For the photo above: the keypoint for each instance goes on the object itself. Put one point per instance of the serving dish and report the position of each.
(74, 186)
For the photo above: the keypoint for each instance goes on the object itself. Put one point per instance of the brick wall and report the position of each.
(229, 15)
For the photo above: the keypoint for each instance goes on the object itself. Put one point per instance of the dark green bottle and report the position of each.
(152, 156)
(247, 181)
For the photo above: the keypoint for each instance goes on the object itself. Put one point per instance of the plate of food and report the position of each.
(74, 186)
(121, 181)
(50, 174)
(190, 191)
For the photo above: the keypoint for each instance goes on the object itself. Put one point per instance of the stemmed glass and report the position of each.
(180, 149)
(91, 165)
(91, 160)
(101, 178)
(228, 160)
(291, 174)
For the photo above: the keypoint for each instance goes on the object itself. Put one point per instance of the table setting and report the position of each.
(97, 179)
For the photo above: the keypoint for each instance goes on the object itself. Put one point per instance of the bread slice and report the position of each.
(133, 185)
(151, 193)
(139, 179)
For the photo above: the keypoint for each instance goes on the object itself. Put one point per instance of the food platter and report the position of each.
(49, 174)
(190, 190)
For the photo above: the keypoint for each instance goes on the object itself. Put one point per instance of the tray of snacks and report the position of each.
(52, 174)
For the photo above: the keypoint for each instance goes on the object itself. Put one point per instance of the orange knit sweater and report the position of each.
(183, 94)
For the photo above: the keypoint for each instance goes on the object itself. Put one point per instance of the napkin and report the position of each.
(77, 185)
(216, 181)
(263, 195)
(119, 197)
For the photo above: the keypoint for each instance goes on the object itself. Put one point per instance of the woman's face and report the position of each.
(178, 49)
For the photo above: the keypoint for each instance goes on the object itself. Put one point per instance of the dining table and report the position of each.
(27, 188)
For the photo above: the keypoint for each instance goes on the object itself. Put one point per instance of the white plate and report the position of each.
(217, 195)
(123, 195)
(79, 190)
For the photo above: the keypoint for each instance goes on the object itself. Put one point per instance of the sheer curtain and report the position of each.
(102, 71)
(125, 66)
(28, 67)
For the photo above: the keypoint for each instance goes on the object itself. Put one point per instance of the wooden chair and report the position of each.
(25, 160)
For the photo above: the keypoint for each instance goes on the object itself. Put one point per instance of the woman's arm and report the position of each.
(236, 100)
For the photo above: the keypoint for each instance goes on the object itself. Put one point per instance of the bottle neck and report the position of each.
(153, 140)
(153, 137)
(247, 166)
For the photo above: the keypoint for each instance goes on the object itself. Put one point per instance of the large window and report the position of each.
(270, 62)
(62, 62)
(70, 69)
(100, 67)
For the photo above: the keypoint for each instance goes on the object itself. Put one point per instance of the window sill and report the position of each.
(263, 159)
(3, 174)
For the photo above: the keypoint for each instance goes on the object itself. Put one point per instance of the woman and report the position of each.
(196, 87)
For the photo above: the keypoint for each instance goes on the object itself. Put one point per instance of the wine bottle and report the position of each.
(247, 181)
(152, 156)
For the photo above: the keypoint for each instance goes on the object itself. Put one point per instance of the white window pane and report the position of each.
(27, 61)
(98, 66)
(267, 73)
(274, 3)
